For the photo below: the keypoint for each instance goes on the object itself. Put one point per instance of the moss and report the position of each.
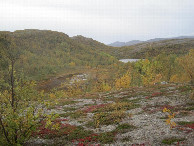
(170, 141)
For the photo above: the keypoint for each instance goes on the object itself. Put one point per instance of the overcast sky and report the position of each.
(103, 20)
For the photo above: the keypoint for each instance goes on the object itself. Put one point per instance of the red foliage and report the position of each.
(87, 140)
(64, 129)
(190, 126)
(185, 129)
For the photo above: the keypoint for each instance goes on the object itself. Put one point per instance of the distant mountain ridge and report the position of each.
(134, 42)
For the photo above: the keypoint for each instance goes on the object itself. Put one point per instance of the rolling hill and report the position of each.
(153, 47)
(45, 53)
(134, 42)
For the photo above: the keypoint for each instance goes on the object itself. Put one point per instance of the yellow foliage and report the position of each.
(174, 79)
(106, 87)
(52, 96)
(72, 63)
(124, 81)
(170, 117)
(156, 79)
(187, 63)
(192, 95)
(179, 78)
(101, 87)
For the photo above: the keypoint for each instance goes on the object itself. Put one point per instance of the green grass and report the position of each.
(183, 113)
(135, 100)
(106, 138)
(90, 124)
(79, 133)
(126, 139)
(67, 114)
(185, 88)
(170, 141)
(67, 102)
(77, 114)
(165, 117)
(73, 114)
(185, 122)
(105, 118)
(189, 108)
(123, 128)
(190, 103)
(69, 108)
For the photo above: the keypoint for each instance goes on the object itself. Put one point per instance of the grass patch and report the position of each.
(190, 104)
(78, 133)
(117, 106)
(185, 88)
(185, 122)
(69, 108)
(67, 102)
(90, 124)
(189, 108)
(106, 138)
(170, 141)
(74, 115)
(182, 114)
(126, 139)
(135, 100)
(164, 118)
(123, 128)
(67, 114)
(78, 114)
(105, 118)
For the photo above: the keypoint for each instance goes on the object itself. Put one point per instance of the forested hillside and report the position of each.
(142, 50)
(44, 53)
(152, 49)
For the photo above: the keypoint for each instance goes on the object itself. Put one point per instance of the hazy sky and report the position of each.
(103, 20)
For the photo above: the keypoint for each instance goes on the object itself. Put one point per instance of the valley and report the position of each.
(76, 91)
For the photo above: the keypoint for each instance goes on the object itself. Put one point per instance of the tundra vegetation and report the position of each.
(74, 91)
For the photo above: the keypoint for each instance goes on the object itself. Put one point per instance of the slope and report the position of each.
(45, 52)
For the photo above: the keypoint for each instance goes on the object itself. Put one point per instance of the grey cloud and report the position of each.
(103, 20)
